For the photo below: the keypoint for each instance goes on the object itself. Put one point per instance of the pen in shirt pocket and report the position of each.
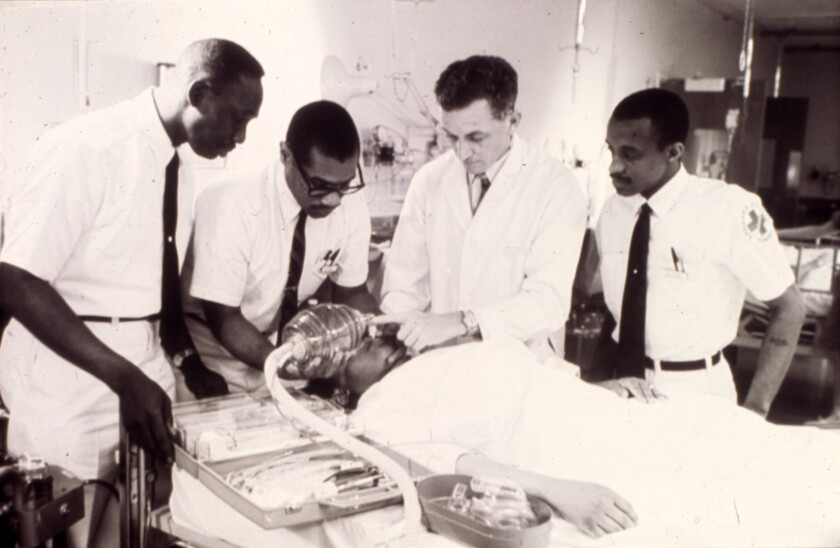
(678, 264)
(332, 258)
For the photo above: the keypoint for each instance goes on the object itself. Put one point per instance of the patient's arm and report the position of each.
(592, 508)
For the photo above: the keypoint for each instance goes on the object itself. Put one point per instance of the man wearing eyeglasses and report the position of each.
(266, 241)
(490, 232)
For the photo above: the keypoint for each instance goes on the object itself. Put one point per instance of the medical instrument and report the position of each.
(502, 503)
(317, 342)
(499, 515)
(38, 502)
(244, 424)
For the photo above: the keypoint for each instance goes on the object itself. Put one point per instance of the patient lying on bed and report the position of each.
(696, 471)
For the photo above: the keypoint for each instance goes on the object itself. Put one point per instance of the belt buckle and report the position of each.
(115, 321)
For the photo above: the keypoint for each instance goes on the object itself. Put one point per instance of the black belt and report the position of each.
(116, 320)
(691, 365)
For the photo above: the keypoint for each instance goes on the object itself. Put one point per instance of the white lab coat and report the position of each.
(512, 264)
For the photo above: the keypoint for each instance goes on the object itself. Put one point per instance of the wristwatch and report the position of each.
(178, 359)
(470, 322)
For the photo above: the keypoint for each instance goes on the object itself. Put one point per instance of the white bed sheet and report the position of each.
(699, 470)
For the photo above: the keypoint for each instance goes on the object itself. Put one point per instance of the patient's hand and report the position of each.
(635, 387)
(594, 509)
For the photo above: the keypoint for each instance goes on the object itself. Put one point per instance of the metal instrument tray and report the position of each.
(212, 472)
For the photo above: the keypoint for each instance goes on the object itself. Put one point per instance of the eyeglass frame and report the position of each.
(316, 191)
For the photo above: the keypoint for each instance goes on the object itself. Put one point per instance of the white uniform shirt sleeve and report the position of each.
(221, 249)
(353, 261)
(54, 204)
(406, 285)
(755, 255)
(543, 303)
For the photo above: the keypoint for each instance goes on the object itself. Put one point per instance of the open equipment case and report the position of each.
(233, 444)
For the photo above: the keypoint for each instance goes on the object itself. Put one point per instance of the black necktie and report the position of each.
(172, 326)
(485, 185)
(631, 333)
(289, 300)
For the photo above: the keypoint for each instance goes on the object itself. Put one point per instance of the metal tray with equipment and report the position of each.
(222, 440)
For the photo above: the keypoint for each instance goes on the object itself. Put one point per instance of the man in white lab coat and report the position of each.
(490, 232)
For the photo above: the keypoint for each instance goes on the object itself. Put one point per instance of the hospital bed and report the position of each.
(530, 420)
(816, 266)
(699, 495)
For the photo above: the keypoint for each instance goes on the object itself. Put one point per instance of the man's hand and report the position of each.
(634, 387)
(146, 413)
(594, 509)
(200, 380)
(421, 330)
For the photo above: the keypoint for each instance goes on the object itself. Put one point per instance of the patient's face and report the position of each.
(367, 366)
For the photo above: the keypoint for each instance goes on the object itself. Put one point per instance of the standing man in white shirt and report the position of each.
(84, 263)
(678, 253)
(266, 241)
(490, 232)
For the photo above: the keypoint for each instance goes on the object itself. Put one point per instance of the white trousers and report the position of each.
(714, 380)
(64, 414)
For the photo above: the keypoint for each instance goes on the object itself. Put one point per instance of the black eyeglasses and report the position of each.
(321, 189)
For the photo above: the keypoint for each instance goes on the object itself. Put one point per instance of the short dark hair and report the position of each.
(220, 61)
(478, 77)
(326, 126)
(666, 110)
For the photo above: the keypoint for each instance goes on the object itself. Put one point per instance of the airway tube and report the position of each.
(411, 504)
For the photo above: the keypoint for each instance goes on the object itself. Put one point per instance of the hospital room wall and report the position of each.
(815, 75)
(627, 45)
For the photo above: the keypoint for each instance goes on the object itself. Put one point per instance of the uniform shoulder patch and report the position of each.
(755, 222)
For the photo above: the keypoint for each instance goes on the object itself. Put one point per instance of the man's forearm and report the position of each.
(777, 349)
(39, 307)
(238, 335)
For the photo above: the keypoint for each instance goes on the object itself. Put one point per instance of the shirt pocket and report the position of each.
(678, 287)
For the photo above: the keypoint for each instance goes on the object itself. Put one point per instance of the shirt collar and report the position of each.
(667, 196)
(148, 121)
(497, 166)
(289, 207)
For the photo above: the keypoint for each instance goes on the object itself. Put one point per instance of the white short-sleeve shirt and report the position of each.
(709, 242)
(87, 214)
(243, 237)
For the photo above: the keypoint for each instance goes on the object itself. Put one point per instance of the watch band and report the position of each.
(178, 359)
